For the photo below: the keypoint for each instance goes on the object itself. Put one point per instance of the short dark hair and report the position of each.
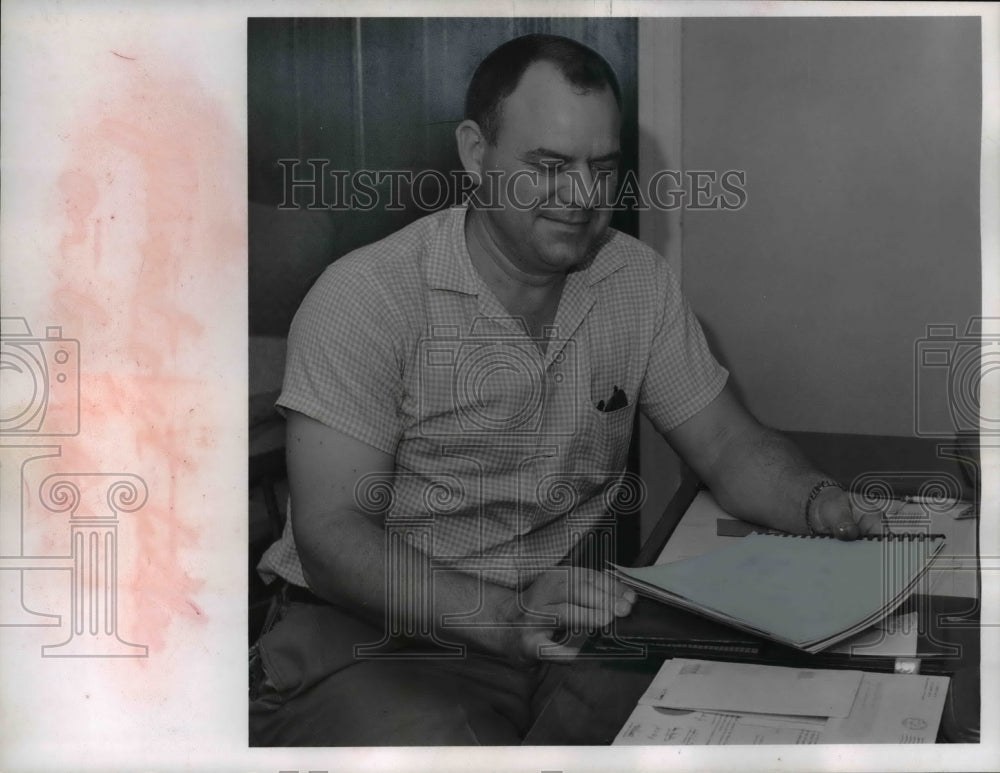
(498, 74)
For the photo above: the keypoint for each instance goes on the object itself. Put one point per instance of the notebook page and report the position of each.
(799, 589)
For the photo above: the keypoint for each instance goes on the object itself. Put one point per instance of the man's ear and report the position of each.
(471, 146)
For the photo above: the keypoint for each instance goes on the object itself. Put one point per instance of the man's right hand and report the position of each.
(581, 600)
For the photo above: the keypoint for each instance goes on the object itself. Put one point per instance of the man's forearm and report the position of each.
(761, 476)
(386, 582)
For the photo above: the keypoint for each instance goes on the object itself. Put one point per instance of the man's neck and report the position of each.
(535, 297)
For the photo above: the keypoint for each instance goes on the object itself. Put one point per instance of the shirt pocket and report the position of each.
(609, 435)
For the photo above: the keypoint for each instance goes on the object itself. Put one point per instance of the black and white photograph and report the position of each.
(615, 381)
(549, 387)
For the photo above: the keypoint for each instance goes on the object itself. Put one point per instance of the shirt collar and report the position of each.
(606, 260)
(448, 265)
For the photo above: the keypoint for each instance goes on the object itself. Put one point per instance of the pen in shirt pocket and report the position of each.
(617, 400)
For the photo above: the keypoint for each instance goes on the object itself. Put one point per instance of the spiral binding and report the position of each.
(891, 537)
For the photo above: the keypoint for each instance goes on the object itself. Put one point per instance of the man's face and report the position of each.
(555, 163)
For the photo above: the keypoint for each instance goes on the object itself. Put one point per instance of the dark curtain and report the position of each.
(374, 94)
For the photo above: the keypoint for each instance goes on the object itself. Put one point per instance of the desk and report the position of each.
(595, 697)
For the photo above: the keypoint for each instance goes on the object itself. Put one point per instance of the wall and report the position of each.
(860, 141)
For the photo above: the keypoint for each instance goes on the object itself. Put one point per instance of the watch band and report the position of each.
(813, 493)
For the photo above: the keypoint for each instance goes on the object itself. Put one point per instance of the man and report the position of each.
(483, 360)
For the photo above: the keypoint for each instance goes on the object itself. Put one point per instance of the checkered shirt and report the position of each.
(502, 457)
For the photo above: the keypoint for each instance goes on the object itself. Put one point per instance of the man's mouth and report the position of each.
(572, 220)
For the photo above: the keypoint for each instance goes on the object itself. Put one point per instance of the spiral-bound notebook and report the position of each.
(806, 592)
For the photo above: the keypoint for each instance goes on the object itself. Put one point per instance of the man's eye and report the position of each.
(549, 167)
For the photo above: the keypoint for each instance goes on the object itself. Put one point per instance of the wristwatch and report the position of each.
(813, 494)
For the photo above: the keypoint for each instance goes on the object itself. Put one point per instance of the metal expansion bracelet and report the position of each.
(813, 493)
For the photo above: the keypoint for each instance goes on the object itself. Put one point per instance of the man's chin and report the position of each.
(567, 258)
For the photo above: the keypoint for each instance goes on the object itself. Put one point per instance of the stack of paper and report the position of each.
(956, 569)
(896, 636)
(695, 702)
(806, 593)
(706, 527)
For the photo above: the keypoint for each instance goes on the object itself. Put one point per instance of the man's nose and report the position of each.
(577, 187)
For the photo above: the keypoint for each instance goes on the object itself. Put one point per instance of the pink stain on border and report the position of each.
(150, 235)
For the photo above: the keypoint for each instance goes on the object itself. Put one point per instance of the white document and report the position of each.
(888, 708)
(892, 708)
(746, 687)
(649, 725)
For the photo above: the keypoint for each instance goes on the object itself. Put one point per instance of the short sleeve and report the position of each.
(682, 375)
(342, 367)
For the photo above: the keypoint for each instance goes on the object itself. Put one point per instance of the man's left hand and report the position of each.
(832, 515)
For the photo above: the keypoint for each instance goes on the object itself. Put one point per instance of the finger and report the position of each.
(541, 646)
(847, 530)
(837, 518)
(602, 599)
(871, 524)
(840, 525)
(546, 595)
(611, 586)
(624, 598)
(592, 589)
(623, 591)
(578, 617)
(574, 616)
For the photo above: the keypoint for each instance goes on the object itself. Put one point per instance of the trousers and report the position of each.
(310, 686)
